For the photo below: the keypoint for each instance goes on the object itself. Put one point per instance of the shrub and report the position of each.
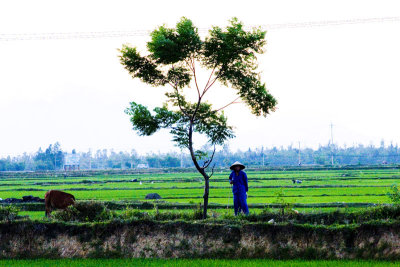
(383, 212)
(134, 214)
(8, 213)
(85, 211)
(394, 194)
(198, 212)
(67, 215)
(285, 207)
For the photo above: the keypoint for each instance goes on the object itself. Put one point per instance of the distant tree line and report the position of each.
(324, 155)
(53, 157)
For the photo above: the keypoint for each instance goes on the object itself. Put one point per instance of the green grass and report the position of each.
(33, 215)
(191, 263)
(39, 215)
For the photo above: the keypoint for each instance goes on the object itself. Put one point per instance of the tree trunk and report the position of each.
(201, 171)
(205, 196)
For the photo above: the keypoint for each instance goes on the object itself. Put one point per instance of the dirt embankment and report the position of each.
(26, 239)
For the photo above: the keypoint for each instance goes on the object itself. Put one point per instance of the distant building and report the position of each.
(71, 162)
(142, 166)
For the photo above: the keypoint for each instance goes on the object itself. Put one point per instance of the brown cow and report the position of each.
(55, 199)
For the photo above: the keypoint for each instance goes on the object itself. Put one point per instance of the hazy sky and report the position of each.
(75, 90)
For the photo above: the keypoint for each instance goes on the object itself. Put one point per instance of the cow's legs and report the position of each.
(48, 211)
(47, 207)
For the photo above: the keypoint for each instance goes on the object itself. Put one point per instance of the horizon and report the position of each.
(290, 146)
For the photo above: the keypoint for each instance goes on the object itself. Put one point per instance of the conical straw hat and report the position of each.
(239, 164)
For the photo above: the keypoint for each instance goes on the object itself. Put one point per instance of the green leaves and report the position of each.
(163, 46)
(141, 67)
(233, 46)
(142, 120)
(394, 194)
(251, 90)
(208, 122)
(169, 46)
(234, 52)
(188, 38)
(179, 77)
(145, 123)
(200, 154)
(230, 54)
(213, 125)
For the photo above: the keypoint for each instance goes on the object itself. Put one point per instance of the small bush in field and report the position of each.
(198, 213)
(8, 213)
(394, 194)
(285, 207)
(85, 211)
(67, 215)
(134, 214)
(379, 213)
(93, 211)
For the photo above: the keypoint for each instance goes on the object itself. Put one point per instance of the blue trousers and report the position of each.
(240, 203)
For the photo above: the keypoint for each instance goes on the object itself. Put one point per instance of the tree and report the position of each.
(50, 159)
(58, 156)
(174, 55)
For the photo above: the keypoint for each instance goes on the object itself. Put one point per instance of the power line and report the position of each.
(331, 23)
(72, 35)
(139, 33)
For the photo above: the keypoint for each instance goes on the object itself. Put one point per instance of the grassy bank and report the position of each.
(191, 263)
(228, 239)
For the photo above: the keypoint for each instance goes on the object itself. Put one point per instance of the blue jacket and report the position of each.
(239, 182)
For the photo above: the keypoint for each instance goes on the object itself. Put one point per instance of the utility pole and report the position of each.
(299, 155)
(331, 143)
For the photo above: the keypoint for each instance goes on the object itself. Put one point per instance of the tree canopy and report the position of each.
(172, 52)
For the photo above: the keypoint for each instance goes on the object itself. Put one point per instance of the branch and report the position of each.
(233, 102)
(194, 74)
(190, 67)
(195, 111)
(197, 107)
(209, 78)
(212, 171)
(196, 164)
(206, 89)
(180, 107)
(208, 162)
(179, 101)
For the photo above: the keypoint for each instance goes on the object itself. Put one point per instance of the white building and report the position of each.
(142, 166)
(71, 162)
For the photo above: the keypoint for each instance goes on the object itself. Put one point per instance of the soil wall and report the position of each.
(30, 239)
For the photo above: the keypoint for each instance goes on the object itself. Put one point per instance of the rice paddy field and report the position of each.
(319, 189)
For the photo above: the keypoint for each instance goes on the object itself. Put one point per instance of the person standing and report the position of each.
(238, 180)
